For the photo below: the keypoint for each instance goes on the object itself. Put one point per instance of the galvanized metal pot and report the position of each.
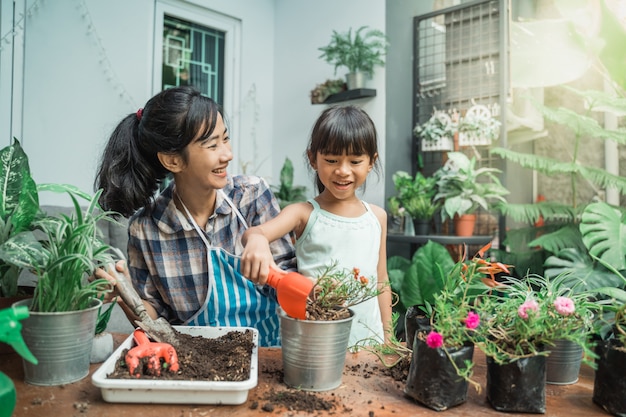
(563, 363)
(314, 352)
(61, 342)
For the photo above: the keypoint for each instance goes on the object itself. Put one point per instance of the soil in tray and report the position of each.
(226, 358)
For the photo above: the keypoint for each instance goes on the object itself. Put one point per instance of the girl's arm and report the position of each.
(257, 257)
(384, 298)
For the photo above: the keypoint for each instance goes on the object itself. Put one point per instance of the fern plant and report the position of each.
(359, 53)
(563, 242)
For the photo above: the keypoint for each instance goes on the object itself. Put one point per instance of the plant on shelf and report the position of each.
(478, 125)
(416, 194)
(439, 126)
(19, 206)
(286, 192)
(463, 188)
(329, 87)
(360, 52)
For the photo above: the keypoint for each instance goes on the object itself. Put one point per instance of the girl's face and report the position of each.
(207, 159)
(342, 174)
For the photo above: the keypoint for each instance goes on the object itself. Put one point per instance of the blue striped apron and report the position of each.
(232, 300)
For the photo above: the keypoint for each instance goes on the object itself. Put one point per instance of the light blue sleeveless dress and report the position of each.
(352, 242)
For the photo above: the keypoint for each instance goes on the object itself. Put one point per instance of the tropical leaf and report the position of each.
(567, 236)
(426, 276)
(531, 213)
(603, 230)
(580, 270)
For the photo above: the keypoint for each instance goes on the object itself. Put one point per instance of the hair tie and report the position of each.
(139, 114)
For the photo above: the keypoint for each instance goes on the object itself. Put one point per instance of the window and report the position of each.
(193, 55)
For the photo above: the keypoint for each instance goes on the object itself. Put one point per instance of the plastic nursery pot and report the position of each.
(433, 380)
(414, 321)
(519, 386)
(609, 384)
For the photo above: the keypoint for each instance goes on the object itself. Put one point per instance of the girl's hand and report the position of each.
(257, 259)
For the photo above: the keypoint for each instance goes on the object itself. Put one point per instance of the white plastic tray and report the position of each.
(177, 392)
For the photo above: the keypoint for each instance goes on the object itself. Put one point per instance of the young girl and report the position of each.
(181, 242)
(336, 225)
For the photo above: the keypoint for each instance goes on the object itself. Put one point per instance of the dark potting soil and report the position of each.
(226, 358)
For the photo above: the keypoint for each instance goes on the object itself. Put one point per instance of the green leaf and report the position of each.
(603, 230)
(426, 276)
(567, 236)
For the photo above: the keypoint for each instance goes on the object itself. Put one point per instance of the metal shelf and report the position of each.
(350, 95)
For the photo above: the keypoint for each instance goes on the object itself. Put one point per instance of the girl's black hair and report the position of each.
(130, 172)
(342, 129)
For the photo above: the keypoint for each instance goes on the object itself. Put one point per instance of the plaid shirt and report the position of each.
(167, 258)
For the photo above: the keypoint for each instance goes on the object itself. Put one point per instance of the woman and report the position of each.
(181, 243)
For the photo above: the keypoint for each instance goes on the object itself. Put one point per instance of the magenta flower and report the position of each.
(472, 321)
(434, 340)
(529, 305)
(565, 306)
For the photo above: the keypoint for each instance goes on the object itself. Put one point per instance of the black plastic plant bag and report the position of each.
(609, 388)
(414, 321)
(432, 379)
(519, 386)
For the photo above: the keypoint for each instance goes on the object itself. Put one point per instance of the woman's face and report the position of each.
(207, 159)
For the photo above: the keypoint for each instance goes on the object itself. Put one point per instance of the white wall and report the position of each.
(88, 63)
(302, 26)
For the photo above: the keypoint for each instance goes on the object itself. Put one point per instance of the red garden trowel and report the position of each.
(292, 291)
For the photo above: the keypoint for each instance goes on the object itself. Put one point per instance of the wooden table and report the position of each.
(364, 392)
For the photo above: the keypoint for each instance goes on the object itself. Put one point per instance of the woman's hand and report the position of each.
(109, 275)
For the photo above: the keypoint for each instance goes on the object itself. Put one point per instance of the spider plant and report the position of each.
(62, 252)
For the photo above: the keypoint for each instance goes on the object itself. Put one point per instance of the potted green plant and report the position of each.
(19, 205)
(520, 322)
(396, 216)
(314, 349)
(463, 188)
(478, 127)
(360, 53)
(286, 192)
(415, 195)
(437, 133)
(441, 365)
(329, 87)
(63, 252)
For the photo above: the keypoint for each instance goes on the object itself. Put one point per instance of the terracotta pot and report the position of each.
(464, 224)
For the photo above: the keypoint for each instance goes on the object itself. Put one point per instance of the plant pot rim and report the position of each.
(284, 315)
(95, 303)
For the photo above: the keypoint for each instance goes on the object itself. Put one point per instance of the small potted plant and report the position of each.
(520, 322)
(416, 194)
(324, 336)
(443, 351)
(396, 216)
(63, 312)
(360, 53)
(478, 127)
(463, 188)
(437, 133)
(329, 87)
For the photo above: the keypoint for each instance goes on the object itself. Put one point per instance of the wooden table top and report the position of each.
(365, 391)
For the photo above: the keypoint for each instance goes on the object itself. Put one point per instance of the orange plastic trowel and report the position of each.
(292, 290)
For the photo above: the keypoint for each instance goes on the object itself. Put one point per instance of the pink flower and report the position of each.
(529, 305)
(434, 340)
(472, 321)
(565, 306)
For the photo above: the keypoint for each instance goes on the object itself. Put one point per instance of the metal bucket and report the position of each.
(61, 342)
(563, 363)
(314, 352)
